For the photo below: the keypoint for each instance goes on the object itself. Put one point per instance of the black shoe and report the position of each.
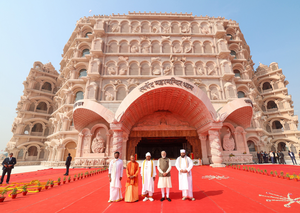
(168, 199)
(162, 199)
(1, 183)
(7, 183)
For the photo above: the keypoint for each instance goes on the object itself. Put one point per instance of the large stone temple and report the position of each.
(150, 82)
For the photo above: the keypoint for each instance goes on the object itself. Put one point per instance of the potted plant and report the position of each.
(14, 193)
(295, 178)
(271, 173)
(39, 187)
(58, 181)
(64, 181)
(51, 183)
(24, 190)
(86, 174)
(239, 167)
(69, 179)
(282, 175)
(47, 184)
(265, 172)
(81, 175)
(287, 175)
(78, 177)
(276, 174)
(3, 193)
(74, 178)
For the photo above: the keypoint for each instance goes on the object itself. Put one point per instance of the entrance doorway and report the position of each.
(156, 145)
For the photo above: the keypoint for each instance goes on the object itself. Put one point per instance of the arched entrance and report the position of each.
(70, 147)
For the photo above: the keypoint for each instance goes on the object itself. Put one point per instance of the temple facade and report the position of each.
(150, 82)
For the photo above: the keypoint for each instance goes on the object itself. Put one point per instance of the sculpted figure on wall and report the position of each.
(205, 30)
(200, 71)
(145, 49)
(123, 71)
(156, 71)
(228, 141)
(115, 28)
(134, 49)
(167, 70)
(155, 29)
(185, 29)
(166, 29)
(111, 71)
(98, 144)
(109, 96)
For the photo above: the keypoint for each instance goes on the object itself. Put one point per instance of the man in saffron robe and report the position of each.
(184, 165)
(115, 174)
(132, 185)
(148, 173)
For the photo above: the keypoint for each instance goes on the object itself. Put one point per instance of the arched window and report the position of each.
(26, 130)
(271, 105)
(88, 33)
(47, 86)
(276, 125)
(37, 128)
(82, 73)
(231, 37)
(251, 146)
(85, 52)
(32, 151)
(232, 52)
(241, 94)
(42, 106)
(266, 86)
(78, 96)
(282, 147)
(237, 73)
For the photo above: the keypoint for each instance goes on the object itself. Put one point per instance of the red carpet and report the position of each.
(239, 193)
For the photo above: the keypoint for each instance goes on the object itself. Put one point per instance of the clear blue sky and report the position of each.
(38, 30)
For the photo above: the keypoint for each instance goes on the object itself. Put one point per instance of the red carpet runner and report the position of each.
(239, 193)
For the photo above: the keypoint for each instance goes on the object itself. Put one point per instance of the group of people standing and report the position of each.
(275, 157)
(147, 172)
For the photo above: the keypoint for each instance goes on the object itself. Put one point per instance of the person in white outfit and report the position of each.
(115, 174)
(148, 173)
(184, 166)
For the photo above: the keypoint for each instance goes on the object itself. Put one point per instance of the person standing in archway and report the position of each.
(148, 173)
(68, 163)
(184, 165)
(164, 180)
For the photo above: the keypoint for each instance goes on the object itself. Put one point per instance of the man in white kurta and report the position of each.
(115, 176)
(164, 176)
(148, 173)
(184, 165)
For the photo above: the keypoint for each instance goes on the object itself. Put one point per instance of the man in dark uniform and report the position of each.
(258, 157)
(8, 165)
(68, 163)
(291, 154)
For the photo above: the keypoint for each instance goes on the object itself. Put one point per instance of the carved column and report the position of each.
(118, 140)
(203, 139)
(24, 154)
(86, 148)
(216, 150)
(38, 155)
(59, 153)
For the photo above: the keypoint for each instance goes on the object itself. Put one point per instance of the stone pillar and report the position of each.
(24, 154)
(203, 139)
(215, 145)
(38, 155)
(118, 142)
(59, 153)
(79, 145)
(86, 148)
